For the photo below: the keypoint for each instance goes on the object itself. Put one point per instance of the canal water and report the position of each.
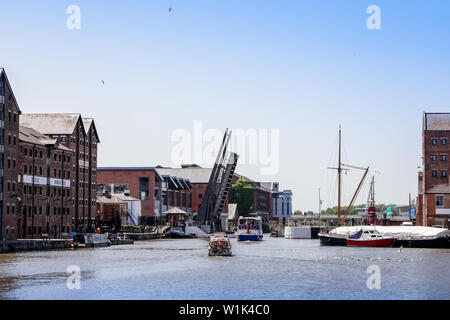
(275, 268)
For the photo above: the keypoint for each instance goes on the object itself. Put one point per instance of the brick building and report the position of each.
(262, 197)
(176, 193)
(80, 135)
(9, 157)
(45, 170)
(433, 203)
(161, 189)
(143, 183)
(199, 178)
(110, 208)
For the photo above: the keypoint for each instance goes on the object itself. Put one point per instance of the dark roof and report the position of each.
(3, 74)
(89, 123)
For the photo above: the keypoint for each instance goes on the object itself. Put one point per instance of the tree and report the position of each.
(298, 213)
(241, 193)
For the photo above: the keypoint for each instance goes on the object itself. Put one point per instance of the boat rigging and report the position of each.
(345, 167)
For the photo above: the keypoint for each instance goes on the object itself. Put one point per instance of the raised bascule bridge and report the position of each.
(219, 184)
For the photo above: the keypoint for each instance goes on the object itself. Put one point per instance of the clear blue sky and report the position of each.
(302, 67)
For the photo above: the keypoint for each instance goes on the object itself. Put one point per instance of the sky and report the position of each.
(299, 67)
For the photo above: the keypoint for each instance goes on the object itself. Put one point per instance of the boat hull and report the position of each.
(438, 243)
(327, 240)
(388, 242)
(249, 237)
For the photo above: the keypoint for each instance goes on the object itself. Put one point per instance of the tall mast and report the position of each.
(339, 178)
(320, 206)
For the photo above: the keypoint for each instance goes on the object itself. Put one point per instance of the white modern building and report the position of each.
(281, 201)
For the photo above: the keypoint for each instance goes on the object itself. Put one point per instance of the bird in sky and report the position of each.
(103, 82)
(170, 8)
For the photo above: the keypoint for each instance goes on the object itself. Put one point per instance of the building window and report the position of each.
(433, 157)
(144, 188)
(434, 141)
(443, 157)
(444, 173)
(439, 201)
(434, 173)
(444, 141)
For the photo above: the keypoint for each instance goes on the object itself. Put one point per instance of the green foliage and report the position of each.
(354, 209)
(297, 213)
(242, 194)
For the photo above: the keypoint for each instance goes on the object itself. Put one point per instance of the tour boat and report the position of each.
(250, 229)
(369, 238)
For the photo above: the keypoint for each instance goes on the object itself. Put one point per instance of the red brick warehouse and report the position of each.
(433, 203)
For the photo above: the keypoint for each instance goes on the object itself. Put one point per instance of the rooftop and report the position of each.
(436, 121)
(51, 123)
(158, 175)
(194, 175)
(113, 200)
(30, 135)
(439, 188)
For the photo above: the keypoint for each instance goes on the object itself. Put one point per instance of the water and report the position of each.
(275, 268)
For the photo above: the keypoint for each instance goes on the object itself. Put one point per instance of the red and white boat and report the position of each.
(369, 238)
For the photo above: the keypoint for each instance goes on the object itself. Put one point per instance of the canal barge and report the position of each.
(90, 240)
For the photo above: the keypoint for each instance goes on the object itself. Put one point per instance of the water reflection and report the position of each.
(275, 268)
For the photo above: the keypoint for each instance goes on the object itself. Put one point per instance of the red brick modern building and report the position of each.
(80, 135)
(143, 183)
(9, 158)
(433, 203)
(262, 196)
(45, 191)
(198, 178)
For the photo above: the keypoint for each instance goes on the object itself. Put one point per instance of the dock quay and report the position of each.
(115, 242)
(142, 236)
(9, 246)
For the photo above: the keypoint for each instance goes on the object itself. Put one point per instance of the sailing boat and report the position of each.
(371, 211)
(328, 239)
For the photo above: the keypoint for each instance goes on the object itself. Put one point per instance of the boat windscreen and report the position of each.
(357, 235)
